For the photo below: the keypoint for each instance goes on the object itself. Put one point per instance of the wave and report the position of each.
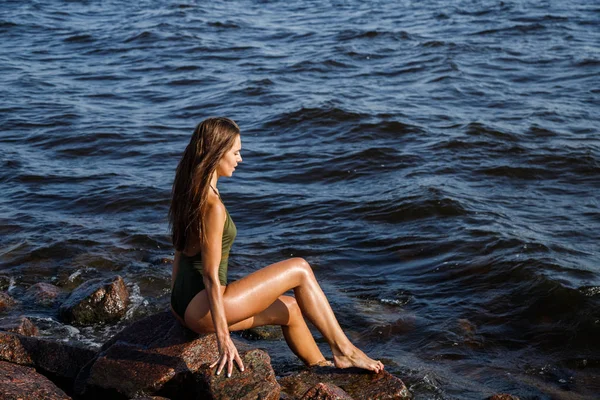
(353, 34)
(322, 116)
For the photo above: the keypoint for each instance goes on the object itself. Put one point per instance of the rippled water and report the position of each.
(438, 164)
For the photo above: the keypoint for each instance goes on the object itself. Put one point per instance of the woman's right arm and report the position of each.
(211, 258)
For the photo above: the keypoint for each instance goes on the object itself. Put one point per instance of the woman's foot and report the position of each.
(322, 363)
(356, 358)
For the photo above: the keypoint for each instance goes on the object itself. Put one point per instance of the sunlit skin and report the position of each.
(258, 300)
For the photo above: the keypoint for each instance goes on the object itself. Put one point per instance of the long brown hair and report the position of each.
(212, 138)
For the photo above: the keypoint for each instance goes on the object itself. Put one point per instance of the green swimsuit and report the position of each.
(188, 282)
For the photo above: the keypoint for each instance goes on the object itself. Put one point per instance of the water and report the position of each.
(437, 163)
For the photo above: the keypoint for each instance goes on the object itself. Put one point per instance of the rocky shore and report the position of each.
(153, 358)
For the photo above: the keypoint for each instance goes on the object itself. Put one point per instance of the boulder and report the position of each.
(159, 357)
(19, 382)
(6, 301)
(503, 396)
(326, 391)
(357, 383)
(96, 301)
(269, 332)
(61, 360)
(256, 382)
(21, 325)
(43, 294)
(4, 282)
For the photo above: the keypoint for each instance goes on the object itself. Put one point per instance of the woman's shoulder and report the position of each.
(215, 209)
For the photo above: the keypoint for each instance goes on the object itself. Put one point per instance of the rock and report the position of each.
(243, 385)
(269, 332)
(96, 301)
(14, 349)
(60, 359)
(326, 391)
(357, 383)
(160, 357)
(6, 301)
(4, 282)
(21, 325)
(43, 294)
(19, 382)
(503, 396)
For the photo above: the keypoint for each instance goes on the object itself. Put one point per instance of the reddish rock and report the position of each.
(357, 383)
(6, 301)
(243, 385)
(19, 382)
(269, 332)
(43, 294)
(326, 391)
(151, 398)
(503, 396)
(96, 301)
(160, 357)
(61, 359)
(21, 325)
(13, 349)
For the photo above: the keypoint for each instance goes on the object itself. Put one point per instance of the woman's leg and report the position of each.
(286, 313)
(254, 293)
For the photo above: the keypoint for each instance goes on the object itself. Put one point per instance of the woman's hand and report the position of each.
(227, 354)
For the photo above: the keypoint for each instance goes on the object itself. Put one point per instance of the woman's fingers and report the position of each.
(229, 367)
(222, 364)
(238, 359)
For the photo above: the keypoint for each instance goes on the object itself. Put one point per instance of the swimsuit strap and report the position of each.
(215, 190)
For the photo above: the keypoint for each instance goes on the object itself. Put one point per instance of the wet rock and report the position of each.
(60, 359)
(43, 294)
(96, 301)
(6, 301)
(4, 282)
(19, 382)
(326, 391)
(21, 325)
(268, 332)
(13, 349)
(150, 398)
(160, 357)
(357, 383)
(503, 396)
(256, 382)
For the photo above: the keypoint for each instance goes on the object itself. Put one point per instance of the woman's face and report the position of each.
(231, 159)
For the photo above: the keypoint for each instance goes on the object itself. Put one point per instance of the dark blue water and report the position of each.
(438, 164)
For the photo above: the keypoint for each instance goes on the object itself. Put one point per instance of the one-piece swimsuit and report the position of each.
(188, 282)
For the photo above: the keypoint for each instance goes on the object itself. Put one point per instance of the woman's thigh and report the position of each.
(249, 296)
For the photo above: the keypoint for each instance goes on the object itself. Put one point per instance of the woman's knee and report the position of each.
(303, 267)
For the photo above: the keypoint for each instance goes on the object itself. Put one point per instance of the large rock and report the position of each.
(21, 325)
(268, 332)
(256, 382)
(43, 294)
(6, 301)
(160, 357)
(357, 383)
(326, 391)
(19, 382)
(4, 282)
(61, 360)
(96, 301)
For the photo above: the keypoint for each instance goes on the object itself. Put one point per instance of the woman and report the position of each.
(203, 233)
